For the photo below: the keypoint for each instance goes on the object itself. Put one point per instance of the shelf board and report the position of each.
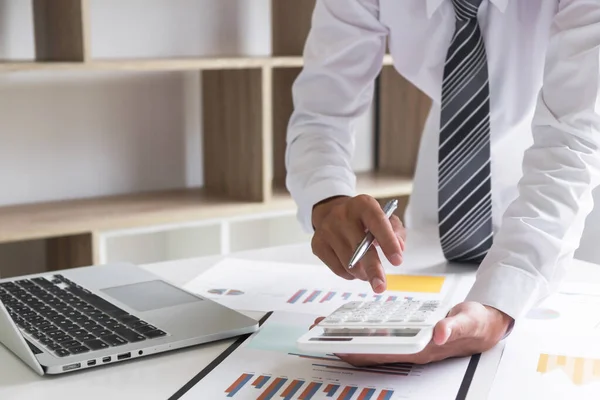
(167, 64)
(72, 217)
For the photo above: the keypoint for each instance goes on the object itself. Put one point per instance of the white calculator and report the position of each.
(374, 327)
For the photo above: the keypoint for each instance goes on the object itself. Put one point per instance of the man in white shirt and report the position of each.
(509, 155)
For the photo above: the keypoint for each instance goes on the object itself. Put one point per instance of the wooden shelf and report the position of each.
(74, 217)
(167, 64)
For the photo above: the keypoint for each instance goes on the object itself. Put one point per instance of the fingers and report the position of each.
(373, 270)
(399, 230)
(375, 220)
(317, 322)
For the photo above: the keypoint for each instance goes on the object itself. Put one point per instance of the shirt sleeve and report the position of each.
(343, 55)
(542, 228)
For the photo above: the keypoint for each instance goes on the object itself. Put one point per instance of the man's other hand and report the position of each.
(340, 225)
(470, 328)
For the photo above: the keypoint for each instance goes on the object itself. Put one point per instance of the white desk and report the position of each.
(158, 377)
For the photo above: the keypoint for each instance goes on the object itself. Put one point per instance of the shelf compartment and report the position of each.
(234, 137)
(61, 30)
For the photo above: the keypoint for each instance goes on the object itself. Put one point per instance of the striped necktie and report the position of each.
(464, 178)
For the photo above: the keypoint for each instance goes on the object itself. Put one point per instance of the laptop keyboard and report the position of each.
(67, 319)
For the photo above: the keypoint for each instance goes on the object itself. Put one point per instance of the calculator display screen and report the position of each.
(370, 332)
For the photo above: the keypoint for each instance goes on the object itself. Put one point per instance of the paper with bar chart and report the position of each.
(268, 366)
(264, 286)
(549, 366)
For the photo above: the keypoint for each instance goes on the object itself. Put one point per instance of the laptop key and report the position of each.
(155, 334)
(129, 335)
(146, 328)
(53, 346)
(62, 352)
(49, 328)
(72, 343)
(102, 333)
(95, 344)
(114, 340)
(62, 339)
(78, 350)
(96, 328)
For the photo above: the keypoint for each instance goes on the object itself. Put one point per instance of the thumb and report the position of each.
(452, 328)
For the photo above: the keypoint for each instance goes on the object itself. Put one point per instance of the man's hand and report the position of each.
(340, 224)
(469, 328)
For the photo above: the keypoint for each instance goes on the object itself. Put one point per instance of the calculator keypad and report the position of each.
(367, 314)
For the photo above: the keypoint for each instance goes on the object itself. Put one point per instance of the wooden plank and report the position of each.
(291, 21)
(283, 107)
(233, 134)
(402, 114)
(166, 64)
(70, 252)
(267, 131)
(76, 217)
(61, 30)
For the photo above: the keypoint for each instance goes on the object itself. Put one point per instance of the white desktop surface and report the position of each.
(159, 377)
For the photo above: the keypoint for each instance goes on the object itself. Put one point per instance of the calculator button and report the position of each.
(351, 305)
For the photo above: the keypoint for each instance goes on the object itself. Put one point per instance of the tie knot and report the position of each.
(466, 9)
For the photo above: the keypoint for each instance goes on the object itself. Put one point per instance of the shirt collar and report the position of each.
(433, 5)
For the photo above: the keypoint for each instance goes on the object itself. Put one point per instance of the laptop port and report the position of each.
(71, 367)
(124, 356)
(91, 363)
(106, 359)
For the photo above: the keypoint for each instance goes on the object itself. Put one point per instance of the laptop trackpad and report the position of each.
(148, 296)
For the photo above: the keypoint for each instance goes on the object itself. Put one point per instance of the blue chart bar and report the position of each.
(363, 295)
(331, 389)
(385, 395)
(296, 296)
(292, 389)
(346, 296)
(310, 391)
(391, 298)
(260, 381)
(328, 297)
(272, 389)
(348, 393)
(366, 394)
(378, 297)
(312, 296)
(238, 384)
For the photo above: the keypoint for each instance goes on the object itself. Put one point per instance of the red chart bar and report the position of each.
(238, 384)
(366, 394)
(347, 393)
(272, 389)
(310, 391)
(312, 296)
(292, 388)
(296, 296)
(385, 395)
(327, 297)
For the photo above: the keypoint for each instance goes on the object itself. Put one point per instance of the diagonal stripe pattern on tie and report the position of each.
(464, 173)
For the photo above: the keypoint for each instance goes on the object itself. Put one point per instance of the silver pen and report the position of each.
(367, 242)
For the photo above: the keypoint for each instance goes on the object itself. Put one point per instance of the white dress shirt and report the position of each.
(543, 61)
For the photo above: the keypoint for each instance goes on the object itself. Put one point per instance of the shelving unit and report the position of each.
(243, 147)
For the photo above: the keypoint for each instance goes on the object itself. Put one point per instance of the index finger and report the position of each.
(375, 220)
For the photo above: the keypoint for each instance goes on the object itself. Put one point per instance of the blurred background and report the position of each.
(154, 130)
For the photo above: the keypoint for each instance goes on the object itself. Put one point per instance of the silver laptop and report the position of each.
(98, 315)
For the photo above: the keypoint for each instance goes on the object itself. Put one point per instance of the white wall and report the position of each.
(72, 135)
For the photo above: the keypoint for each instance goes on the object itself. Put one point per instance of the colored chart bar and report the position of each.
(377, 297)
(272, 389)
(292, 388)
(347, 393)
(312, 296)
(363, 295)
(238, 384)
(327, 297)
(260, 381)
(366, 394)
(346, 296)
(296, 296)
(331, 389)
(391, 298)
(217, 291)
(234, 292)
(415, 283)
(310, 391)
(385, 395)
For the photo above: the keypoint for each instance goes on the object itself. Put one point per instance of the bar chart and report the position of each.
(307, 296)
(266, 387)
(580, 370)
